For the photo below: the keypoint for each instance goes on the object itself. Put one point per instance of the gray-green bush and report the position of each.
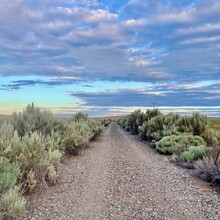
(188, 138)
(193, 153)
(11, 202)
(178, 143)
(79, 133)
(31, 146)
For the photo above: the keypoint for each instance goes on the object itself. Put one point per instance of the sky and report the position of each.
(108, 57)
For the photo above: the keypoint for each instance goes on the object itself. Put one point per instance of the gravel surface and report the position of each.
(120, 178)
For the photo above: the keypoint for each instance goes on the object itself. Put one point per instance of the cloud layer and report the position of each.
(173, 45)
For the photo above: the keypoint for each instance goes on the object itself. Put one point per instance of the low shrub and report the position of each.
(77, 136)
(36, 161)
(178, 143)
(80, 116)
(211, 137)
(193, 153)
(36, 155)
(6, 129)
(208, 168)
(106, 122)
(96, 128)
(12, 204)
(9, 174)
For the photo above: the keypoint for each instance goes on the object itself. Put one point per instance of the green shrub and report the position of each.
(80, 116)
(171, 119)
(199, 123)
(10, 147)
(53, 162)
(211, 137)
(77, 136)
(31, 146)
(96, 128)
(12, 204)
(135, 119)
(33, 119)
(195, 124)
(106, 122)
(184, 124)
(168, 144)
(193, 153)
(9, 174)
(152, 113)
(169, 130)
(79, 133)
(36, 161)
(6, 129)
(122, 121)
(154, 128)
(36, 155)
(178, 143)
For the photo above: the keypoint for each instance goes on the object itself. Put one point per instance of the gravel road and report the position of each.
(120, 178)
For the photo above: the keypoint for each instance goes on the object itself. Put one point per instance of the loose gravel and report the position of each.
(120, 178)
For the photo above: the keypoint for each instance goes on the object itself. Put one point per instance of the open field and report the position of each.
(214, 123)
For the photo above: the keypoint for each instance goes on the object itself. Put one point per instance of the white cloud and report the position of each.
(58, 24)
(87, 3)
(100, 15)
(86, 15)
(65, 78)
(201, 40)
(204, 28)
(133, 24)
(143, 63)
(66, 69)
(160, 75)
(176, 17)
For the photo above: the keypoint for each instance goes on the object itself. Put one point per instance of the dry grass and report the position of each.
(214, 123)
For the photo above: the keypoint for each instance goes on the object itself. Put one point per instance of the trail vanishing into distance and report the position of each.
(120, 178)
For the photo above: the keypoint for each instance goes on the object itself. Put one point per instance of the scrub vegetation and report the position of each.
(32, 144)
(189, 140)
(214, 123)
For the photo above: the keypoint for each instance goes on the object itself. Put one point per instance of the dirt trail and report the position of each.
(119, 178)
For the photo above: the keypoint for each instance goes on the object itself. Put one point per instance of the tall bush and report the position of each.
(34, 119)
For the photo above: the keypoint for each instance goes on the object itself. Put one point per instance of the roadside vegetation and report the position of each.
(190, 141)
(32, 144)
(214, 123)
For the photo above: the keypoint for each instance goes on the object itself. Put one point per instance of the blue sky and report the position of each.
(110, 57)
